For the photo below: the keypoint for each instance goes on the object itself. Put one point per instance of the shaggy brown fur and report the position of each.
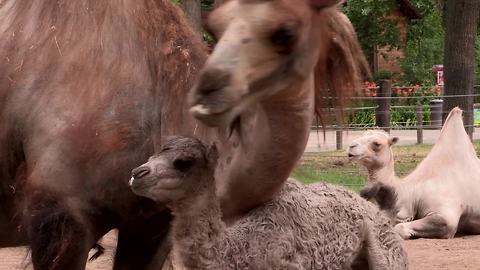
(304, 227)
(87, 88)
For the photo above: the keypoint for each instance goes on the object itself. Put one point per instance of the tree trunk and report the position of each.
(192, 9)
(459, 62)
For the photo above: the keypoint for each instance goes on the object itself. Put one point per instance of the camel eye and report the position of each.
(376, 145)
(183, 164)
(284, 38)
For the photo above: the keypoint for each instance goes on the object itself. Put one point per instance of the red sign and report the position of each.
(440, 78)
(439, 70)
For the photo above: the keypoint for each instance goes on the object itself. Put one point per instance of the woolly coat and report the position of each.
(319, 226)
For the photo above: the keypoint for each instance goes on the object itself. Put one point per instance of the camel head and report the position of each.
(268, 47)
(373, 150)
(179, 169)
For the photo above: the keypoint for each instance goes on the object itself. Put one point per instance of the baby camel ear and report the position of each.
(325, 3)
(212, 154)
(392, 140)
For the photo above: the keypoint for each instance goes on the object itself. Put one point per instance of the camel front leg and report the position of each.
(58, 238)
(432, 226)
(143, 244)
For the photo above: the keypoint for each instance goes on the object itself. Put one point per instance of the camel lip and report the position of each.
(210, 117)
(159, 182)
(204, 110)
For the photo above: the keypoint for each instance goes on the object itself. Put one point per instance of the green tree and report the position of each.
(424, 46)
(374, 27)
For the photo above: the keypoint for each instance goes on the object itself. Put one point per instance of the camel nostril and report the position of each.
(213, 80)
(140, 172)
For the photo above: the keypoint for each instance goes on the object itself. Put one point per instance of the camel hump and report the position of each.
(453, 138)
(453, 131)
(454, 118)
(453, 148)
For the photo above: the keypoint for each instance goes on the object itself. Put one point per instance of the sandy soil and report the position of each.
(18, 258)
(452, 254)
(425, 254)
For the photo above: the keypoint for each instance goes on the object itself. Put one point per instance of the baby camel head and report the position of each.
(372, 150)
(268, 46)
(183, 166)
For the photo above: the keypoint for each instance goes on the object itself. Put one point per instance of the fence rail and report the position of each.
(425, 114)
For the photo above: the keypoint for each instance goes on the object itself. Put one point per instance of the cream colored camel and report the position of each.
(441, 196)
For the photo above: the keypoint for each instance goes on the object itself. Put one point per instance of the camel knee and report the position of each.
(447, 231)
(441, 227)
(434, 226)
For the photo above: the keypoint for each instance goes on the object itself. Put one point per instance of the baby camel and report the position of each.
(440, 197)
(304, 227)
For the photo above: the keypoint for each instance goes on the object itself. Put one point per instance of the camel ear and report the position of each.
(212, 154)
(392, 140)
(324, 3)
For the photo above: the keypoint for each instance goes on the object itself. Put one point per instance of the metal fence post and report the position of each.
(419, 114)
(382, 113)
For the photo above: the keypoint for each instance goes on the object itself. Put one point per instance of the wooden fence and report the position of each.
(383, 108)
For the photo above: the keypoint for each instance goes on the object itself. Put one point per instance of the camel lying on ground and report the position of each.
(304, 227)
(440, 197)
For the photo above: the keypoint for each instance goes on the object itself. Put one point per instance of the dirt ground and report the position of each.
(425, 254)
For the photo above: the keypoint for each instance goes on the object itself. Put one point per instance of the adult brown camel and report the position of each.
(88, 88)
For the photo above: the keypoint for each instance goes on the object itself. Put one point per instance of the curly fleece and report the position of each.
(319, 226)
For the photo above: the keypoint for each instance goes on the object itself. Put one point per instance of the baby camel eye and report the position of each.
(183, 164)
(284, 38)
(376, 146)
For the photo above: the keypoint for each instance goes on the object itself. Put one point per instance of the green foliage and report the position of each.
(207, 4)
(424, 47)
(382, 75)
(403, 111)
(363, 118)
(208, 38)
(477, 117)
(373, 25)
(425, 36)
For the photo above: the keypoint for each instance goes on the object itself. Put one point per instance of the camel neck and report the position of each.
(198, 230)
(385, 175)
(264, 150)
